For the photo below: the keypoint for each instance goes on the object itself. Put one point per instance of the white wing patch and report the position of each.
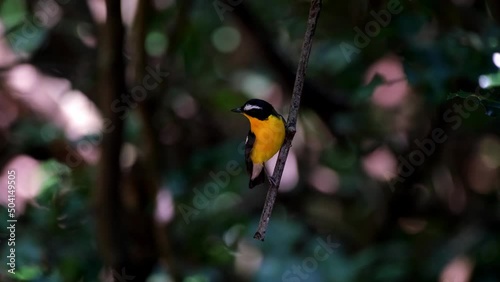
(251, 107)
(257, 168)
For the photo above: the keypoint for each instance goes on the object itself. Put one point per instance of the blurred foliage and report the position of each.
(354, 135)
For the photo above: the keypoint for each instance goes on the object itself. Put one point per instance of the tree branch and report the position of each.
(108, 192)
(292, 120)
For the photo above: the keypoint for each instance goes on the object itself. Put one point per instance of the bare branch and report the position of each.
(292, 120)
(108, 192)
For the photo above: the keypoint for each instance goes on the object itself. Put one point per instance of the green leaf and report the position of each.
(12, 13)
(28, 273)
(26, 37)
(340, 158)
(460, 94)
(191, 51)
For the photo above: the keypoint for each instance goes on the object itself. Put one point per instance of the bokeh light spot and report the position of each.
(156, 43)
(226, 39)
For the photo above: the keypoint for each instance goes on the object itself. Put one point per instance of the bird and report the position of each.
(265, 137)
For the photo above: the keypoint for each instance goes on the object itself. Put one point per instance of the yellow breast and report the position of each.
(269, 136)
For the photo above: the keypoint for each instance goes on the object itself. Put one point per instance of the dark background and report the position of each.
(129, 164)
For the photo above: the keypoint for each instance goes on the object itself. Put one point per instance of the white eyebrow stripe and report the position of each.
(251, 107)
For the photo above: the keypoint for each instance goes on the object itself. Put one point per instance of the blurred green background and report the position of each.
(129, 164)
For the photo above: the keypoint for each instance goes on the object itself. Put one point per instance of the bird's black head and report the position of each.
(256, 108)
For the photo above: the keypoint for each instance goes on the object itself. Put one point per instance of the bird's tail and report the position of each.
(259, 179)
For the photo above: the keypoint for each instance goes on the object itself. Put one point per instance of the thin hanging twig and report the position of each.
(292, 120)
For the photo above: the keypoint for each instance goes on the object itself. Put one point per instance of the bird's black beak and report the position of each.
(237, 110)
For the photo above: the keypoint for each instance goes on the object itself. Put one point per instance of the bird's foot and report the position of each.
(272, 181)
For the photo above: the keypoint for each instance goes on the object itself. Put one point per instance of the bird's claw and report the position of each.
(272, 181)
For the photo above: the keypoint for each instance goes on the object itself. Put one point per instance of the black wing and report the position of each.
(248, 149)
